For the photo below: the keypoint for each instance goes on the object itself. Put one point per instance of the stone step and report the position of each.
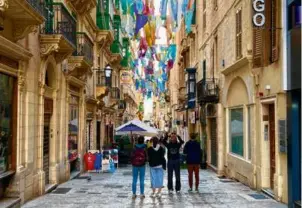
(10, 202)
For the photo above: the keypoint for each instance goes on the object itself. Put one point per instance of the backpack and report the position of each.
(138, 157)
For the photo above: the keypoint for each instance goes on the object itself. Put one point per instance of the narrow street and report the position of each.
(114, 190)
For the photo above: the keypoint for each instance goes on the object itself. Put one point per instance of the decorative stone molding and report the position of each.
(25, 18)
(78, 67)
(13, 50)
(3, 5)
(83, 7)
(55, 44)
(104, 37)
(21, 30)
(115, 59)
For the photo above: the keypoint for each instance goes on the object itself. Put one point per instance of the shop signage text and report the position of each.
(259, 18)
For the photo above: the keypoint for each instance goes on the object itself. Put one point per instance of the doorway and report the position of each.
(213, 138)
(98, 135)
(271, 113)
(48, 108)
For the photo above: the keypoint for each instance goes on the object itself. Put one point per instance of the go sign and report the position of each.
(259, 18)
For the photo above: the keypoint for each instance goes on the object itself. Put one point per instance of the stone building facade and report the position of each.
(53, 107)
(241, 104)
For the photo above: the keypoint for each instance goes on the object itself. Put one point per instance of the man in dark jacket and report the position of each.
(193, 152)
(173, 147)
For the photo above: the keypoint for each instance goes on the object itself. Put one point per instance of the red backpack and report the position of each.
(138, 157)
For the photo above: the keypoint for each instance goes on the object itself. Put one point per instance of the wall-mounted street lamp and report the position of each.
(104, 76)
(108, 75)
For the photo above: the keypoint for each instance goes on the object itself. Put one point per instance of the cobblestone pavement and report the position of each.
(114, 191)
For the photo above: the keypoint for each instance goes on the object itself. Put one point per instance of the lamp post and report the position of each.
(108, 75)
(104, 76)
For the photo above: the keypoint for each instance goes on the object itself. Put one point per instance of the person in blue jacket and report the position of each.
(193, 152)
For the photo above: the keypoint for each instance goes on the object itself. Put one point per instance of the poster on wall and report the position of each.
(126, 77)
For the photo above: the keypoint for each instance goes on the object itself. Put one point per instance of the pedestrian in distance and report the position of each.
(156, 160)
(192, 151)
(173, 146)
(138, 161)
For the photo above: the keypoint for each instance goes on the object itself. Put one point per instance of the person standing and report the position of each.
(173, 147)
(156, 160)
(192, 151)
(138, 161)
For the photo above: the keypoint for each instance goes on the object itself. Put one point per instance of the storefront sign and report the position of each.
(126, 77)
(259, 18)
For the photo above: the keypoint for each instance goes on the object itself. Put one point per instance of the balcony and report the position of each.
(121, 105)
(104, 22)
(82, 58)
(58, 33)
(84, 47)
(208, 91)
(115, 93)
(25, 15)
(83, 7)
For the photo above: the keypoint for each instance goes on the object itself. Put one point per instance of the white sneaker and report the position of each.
(170, 192)
(158, 195)
(153, 195)
(178, 192)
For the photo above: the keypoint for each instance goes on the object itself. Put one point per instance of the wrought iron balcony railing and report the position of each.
(101, 80)
(115, 93)
(208, 91)
(84, 47)
(38, 5)
(122, 105)
(59, 22)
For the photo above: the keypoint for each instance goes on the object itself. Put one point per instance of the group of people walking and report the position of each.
(154, 154)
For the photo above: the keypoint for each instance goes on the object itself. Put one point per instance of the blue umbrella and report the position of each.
(131, 127)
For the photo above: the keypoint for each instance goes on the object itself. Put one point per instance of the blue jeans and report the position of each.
(141, 171)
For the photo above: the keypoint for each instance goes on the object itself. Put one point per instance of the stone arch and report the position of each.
(237, 93)
(49, 71)
(241, 84)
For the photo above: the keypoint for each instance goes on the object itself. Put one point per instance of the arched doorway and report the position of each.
(49, 81)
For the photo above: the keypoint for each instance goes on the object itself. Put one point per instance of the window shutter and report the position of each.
(258, 45)
(274, 47)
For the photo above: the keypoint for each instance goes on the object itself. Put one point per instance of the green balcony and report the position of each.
(126, 53)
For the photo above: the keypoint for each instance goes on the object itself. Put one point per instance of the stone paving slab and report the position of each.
(114, 191)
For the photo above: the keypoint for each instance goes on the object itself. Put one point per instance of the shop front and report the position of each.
(89, 131)
(7, 128)
(73, 134)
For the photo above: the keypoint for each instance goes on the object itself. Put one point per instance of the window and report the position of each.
(236, 131)
(7, 113)
(238, 35)
(266, 52)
